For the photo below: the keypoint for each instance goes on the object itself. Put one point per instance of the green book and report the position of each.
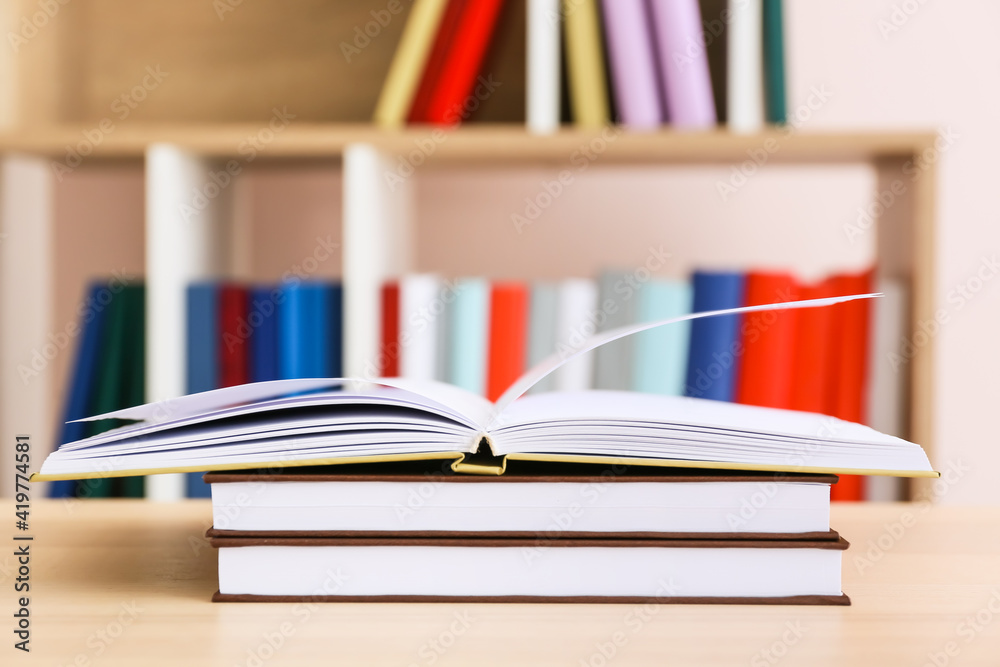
(133, 377)
(774, 63)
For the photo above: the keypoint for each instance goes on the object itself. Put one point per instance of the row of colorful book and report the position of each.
(481, 335)
(644, 63)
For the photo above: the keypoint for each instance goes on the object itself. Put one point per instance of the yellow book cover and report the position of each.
(588, 91)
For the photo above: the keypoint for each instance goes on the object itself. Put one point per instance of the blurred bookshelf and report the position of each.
(231, 69)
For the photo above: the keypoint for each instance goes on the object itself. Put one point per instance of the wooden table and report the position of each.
(128, 583)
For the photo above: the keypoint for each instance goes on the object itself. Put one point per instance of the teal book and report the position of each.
(543, 312)
(133, 380)
(467, 331)
(774, 63)
(660, 360)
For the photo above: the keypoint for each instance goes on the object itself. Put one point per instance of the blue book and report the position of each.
(304, 331)
(263, 318)
(661, 355)
(203, 341)
(335, 334)
(468, 331)
(82, 381)
(713, 362)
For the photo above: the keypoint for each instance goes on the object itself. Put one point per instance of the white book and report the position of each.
(576, 321)
(542, 329)
(745, 66)
(887, 377)
(421, 310)
(295, 422)
(542, 61)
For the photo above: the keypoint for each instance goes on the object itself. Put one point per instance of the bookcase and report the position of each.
(233, 80)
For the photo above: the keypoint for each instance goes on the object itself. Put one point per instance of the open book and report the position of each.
(326, 421)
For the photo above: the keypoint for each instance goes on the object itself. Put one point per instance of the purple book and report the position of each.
(683, 63)
(627, 29)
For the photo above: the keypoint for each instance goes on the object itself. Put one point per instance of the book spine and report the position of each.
(713, 363)
(408, 62)
(660, 361)
(508, 334)
(768, 340)
(774, 61)
(458, 74)
(685, 79)
(468, 327)
(263, 319)
(335, 332)
(204, 340)
(886, 408)
(133, 380)
(303, 331)
(390, 330)
(420, 299)
(585, 64)
(440, 52)
(544, 305)
(613, 361)
(232, 353)
(631, 56)
(745, 94)
(575, 322)
(542, 61)
(811, 371)
(849, 359)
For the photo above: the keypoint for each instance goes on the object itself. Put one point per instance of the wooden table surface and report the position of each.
(123, 582)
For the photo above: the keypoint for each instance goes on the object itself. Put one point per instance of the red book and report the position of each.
(389, 357)
(436, 61)
(811, 370)
(765, 375)
(234, 330)
(507, 338)
(457, 78)
(849, 364)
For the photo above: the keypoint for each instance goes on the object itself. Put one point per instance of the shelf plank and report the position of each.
(471, 144)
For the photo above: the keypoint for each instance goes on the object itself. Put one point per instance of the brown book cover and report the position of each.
(234, 542)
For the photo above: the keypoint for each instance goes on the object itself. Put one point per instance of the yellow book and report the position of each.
(588, 92)
(408, 62)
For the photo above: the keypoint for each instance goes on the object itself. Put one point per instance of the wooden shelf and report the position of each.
(472, 143)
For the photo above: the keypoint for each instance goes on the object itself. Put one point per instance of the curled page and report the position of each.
(554, 361)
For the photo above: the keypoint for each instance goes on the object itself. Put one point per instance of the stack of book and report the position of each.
(584, 513)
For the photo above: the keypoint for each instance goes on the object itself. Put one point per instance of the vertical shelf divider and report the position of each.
(377, 244)
(187, 222)
(27, 343)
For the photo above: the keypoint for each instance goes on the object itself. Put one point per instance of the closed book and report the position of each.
(508, 335)
(133, 391)
(263, 320)
(774, 62)
(83, 379)
(543, 56)
(203, 343)
(304, 330)
(768, 340)
(542, 328)
(335, 330)
(421, 303)
(660, 360)
(457, 77)
(744, 67)
(530, 570)
(617, 296)
(234, 334)
(849, 359)
(468, 331)
(629, 38)
(623, 502)
(812, 374)
(576, 321)
(433, 68)
(714, 357)
(585, 64)
(408, 62)
(389, 354)
(684, 75)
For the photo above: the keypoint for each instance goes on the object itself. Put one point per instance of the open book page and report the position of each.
(554, 361)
